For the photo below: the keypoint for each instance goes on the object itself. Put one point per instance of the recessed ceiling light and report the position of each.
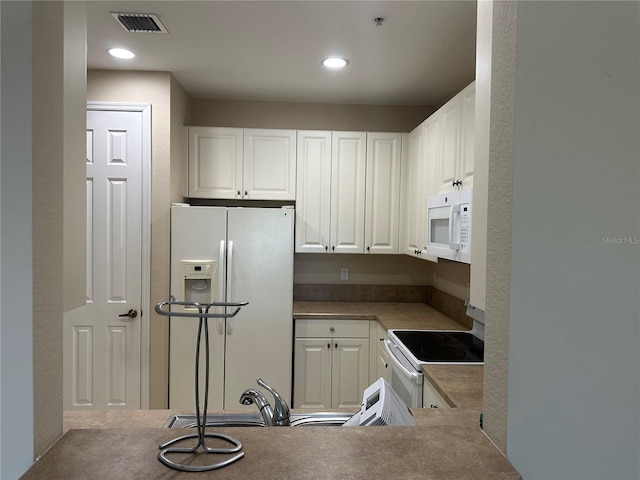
(121, 53)
(335, 62)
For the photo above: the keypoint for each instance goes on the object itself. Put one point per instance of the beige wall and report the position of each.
(153, 88)
(503, 17)
(307, 116)
(75, 187)
(58, 182)
(318, 268)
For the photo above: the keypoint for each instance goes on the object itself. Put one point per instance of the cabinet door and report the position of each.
(414, 209)
(468, 147)
(432, 153)
(312, 373)
(269, 164)
(348, 169)
(313, 195)
(431, 398)
(350, 372)
(215, 162)
(384, 154)
(448, 161)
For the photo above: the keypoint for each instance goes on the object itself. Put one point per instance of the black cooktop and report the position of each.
(434, 346)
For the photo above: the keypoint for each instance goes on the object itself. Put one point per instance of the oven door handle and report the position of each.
(414, 376)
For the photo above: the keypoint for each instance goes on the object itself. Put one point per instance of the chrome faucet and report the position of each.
(277, 416)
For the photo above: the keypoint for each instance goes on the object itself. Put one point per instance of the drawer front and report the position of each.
(332, 328)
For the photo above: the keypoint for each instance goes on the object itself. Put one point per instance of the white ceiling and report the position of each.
(423, 53)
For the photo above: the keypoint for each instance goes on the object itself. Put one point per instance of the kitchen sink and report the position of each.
(314, 419)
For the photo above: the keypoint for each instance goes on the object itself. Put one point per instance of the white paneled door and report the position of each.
(102, 339)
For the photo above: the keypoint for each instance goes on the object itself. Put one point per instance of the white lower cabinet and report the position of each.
(331, 363)
(431, 398)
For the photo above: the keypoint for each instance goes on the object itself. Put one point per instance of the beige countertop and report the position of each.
(390, 315)
(445, 444)
(459, 385)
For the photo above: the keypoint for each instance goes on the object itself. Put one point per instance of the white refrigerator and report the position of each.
(232, 254)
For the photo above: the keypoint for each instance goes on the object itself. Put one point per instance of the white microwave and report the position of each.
(449, 226)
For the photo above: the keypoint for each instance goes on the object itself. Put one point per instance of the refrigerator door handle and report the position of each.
(230, 296)
(220, 292)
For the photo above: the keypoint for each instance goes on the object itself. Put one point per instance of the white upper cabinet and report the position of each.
(236, 163)
(348, 192)
(448, 161)
(432, 152)
(412, 189)
(467, 138)
(348, 169)
(423, 150)
(269, 164)
(455, 161)
(384, 156)
(215, 162)
(313, 204)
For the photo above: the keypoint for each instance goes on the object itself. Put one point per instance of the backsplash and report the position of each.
(360, 293)
(449, 305)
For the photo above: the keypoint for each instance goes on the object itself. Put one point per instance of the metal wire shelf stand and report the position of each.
(203, 315)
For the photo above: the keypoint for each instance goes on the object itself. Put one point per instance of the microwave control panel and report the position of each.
(465, 226)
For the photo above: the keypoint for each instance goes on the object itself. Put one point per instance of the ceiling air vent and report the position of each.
(140, 22)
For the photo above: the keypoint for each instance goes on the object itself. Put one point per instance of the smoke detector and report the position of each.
(140, 22)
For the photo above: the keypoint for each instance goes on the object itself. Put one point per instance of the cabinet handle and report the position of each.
(336, 345)
(238, 192)
(246, 194)
(328, 345)
(326, 248)
(368, 249)
(332, 329)
(333, 248)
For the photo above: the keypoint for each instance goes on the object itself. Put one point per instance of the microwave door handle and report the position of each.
(455, 209)
(414, 376)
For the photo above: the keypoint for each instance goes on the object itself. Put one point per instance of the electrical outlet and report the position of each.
(344, 274)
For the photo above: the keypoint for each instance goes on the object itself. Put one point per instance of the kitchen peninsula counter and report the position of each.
(445, 444)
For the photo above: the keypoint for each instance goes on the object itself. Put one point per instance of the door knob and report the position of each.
(132, 313)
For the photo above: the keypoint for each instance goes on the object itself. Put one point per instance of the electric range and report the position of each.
(409, 350)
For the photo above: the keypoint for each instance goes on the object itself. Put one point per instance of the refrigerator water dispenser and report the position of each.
(198, 281)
